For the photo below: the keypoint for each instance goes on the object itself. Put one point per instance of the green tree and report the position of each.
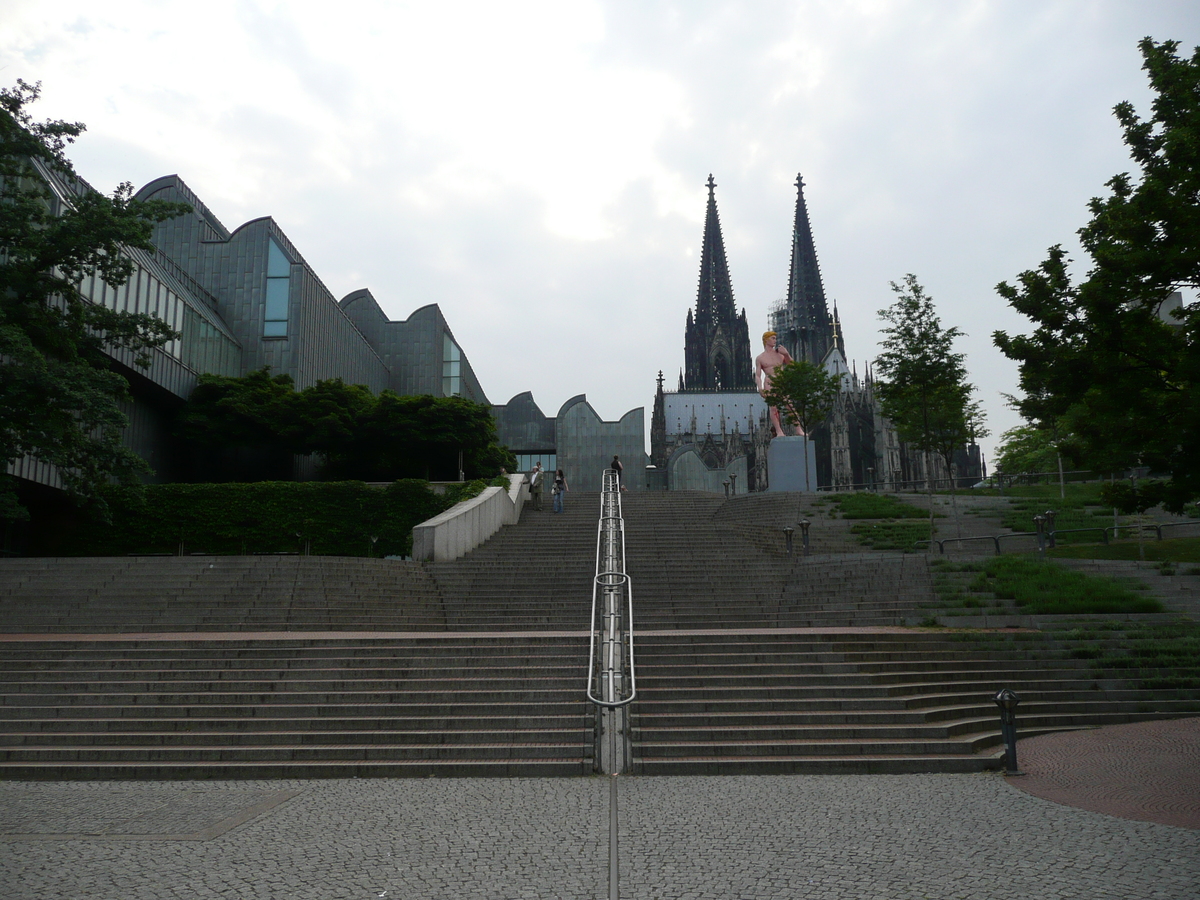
(241, 428)
(804, 394)
(1107, 358)
(60, 398)
(924, 388)
(248, 428)
(421, 437)
(1027, 448)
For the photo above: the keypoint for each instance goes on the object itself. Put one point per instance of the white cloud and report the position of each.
(538, 168)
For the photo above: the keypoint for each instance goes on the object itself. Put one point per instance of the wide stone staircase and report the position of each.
(748, 660)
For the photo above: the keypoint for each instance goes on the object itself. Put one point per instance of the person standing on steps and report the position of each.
(620, 469)
(560, 488)
(535, 486)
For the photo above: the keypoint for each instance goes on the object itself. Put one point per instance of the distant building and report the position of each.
(242, 300)
(577, 440)
(714, 428)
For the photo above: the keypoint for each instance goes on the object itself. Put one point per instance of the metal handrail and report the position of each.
(614, 672)
(1156, 527)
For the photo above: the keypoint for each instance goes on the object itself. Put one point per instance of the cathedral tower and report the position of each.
(717, 340)
(802, 318)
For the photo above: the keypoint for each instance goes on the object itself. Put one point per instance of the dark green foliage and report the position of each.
(1175, 550)
(1166, 655)
(241, 429)
(1027, 448)
(332, 518)
(1080, 508)
(864, 505)
(59, 398)
(246, 429)
(924, 388)
(1102, 359)
(890, 535)
(1046, 588)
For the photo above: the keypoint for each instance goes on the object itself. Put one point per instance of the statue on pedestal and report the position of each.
(772, 357)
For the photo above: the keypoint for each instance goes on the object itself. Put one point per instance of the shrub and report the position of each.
(331, 518)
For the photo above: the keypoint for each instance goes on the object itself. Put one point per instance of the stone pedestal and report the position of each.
(785, 465)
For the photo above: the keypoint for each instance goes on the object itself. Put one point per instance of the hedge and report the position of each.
(322, 518)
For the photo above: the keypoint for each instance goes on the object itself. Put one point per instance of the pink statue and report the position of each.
(772, 357)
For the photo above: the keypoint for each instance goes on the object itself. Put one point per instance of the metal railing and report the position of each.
(1048, 538)
(612, 682)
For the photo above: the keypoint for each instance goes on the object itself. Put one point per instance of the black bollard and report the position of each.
(1007, 701)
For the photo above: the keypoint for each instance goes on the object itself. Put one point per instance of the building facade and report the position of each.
(241, 300)
(577, 440)
(714, 429)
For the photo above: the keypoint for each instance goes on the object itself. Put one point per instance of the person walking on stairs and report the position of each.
(560, 488)
(620, 469)
(535, 486)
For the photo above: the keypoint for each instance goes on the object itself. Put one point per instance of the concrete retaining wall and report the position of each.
(466, 525)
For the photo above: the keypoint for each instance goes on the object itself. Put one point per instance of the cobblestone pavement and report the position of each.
(834, 836)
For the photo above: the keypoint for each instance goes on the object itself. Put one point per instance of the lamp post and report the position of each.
(733, 483)
(804, 523)
(726, 484)
(1007, 701)
(1050, 514)
(1040, 523)
(787, 534)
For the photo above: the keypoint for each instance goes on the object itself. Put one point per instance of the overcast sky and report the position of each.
(538, 169)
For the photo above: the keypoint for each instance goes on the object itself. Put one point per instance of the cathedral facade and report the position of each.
(712, 432)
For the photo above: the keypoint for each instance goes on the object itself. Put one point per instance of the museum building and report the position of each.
(241, 300)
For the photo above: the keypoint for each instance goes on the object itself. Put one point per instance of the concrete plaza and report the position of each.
(828, 836)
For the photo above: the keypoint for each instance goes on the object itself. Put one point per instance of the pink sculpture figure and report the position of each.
(772, 357)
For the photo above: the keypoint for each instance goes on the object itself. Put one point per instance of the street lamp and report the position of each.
(1040, 523)
(1007, 701)
(787, 534)
(1050, 514)
(804, 523)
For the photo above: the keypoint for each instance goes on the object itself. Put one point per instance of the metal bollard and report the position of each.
(733, 483)
(787, 534)
(1050, 514)
(804, 523)
(726, 483)
(1007, 701)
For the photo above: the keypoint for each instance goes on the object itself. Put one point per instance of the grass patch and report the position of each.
(867, 505)
(1174, 550)
(1079, 509)
(890, 535)
(1045, 588)
(1166, 655)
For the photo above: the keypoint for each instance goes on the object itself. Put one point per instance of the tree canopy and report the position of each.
(804, 393)
(60, 399)
(1108, 357)
(924, 388)
(248, 428)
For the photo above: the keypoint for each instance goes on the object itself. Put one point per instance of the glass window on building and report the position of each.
(548, 460)
(279, 272)
(451, 368)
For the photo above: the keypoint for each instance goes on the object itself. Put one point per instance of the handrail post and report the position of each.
(612, 682)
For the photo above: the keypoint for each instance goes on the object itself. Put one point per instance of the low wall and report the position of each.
(466, 525)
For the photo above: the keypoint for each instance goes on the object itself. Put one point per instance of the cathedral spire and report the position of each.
(717, 341)
(803, 322)
(714, 299)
